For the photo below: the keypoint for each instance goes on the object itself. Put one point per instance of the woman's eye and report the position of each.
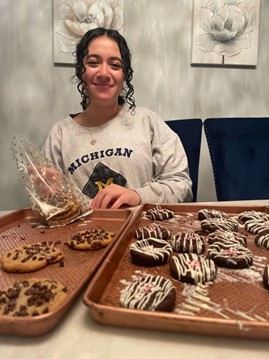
(116, 66)
(92, 63)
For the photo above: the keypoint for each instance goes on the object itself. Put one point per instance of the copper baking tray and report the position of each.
(78, 267)
(236, 304)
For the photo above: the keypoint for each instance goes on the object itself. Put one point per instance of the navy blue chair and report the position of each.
(239, 152)
(189, 132)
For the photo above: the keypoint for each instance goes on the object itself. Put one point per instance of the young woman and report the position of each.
(116, 153)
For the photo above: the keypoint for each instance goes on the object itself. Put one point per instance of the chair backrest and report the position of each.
(239, 152)
(189, 132)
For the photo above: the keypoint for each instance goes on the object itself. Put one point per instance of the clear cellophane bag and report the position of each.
(54, 199)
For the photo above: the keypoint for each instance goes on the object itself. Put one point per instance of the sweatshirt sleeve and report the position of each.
(171, 182)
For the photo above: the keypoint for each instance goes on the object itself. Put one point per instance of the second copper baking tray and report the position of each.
(236, 304)
(74, 272)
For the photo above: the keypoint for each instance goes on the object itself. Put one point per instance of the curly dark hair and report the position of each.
(82, 51)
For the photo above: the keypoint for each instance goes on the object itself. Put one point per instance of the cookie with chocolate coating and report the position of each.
(149, 292)
(188, 242)
(262, 240)
(265, 276)
(257, 226)
(152, 231)
(227, 237)
(225, 224)
(192, 268)
(253, 215)
(159, 214)
(230, 255)
(206, 213)
(150, 252)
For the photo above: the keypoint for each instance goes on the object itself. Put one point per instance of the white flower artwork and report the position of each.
(225, 32)
(73, 18)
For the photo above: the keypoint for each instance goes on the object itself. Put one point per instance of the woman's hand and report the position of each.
(114, 197)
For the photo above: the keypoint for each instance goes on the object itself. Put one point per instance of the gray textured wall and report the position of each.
(34, 93)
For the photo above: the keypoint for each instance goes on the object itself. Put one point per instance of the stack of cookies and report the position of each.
(55, 201)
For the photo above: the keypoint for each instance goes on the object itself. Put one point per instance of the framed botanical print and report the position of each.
(225, 32)
(73, 18)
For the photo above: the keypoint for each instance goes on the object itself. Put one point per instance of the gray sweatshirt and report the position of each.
(137, 151)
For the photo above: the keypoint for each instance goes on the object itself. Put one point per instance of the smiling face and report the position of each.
(103, 75)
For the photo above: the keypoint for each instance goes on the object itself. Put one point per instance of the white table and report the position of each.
(77, 336)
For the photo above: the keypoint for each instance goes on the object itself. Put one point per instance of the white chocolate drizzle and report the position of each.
(196, 299)
(152, 247)
(262, 240)
(152, 231)
(231, 253)
(190, 242)
(257, 226)
(190, 265)
(138, 294)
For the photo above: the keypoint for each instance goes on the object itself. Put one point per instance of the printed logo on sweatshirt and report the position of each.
(110, 152)
(102, 177)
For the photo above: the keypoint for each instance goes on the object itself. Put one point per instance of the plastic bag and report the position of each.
(54, 199)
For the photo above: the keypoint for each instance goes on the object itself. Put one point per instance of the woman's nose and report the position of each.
(103, 71)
